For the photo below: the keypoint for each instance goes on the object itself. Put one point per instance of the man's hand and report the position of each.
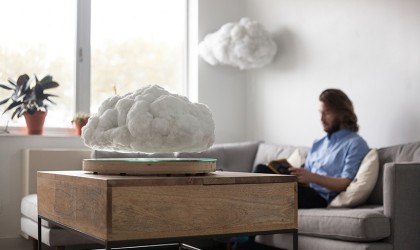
(303, 175)
(332, 183)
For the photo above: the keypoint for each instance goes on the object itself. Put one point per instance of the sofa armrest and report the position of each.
(402, 203)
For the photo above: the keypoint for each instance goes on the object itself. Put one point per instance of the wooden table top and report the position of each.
(214, 178)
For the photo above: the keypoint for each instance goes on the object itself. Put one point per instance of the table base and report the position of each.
(158, 243)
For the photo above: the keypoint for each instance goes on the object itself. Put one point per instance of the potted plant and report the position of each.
(29, 101)
(79, 120)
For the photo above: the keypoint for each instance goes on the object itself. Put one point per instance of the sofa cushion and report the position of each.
(409, 152)
(236, 157)
(29, 209)
(362, 185)
(355, 224)
(297, 159)
(268, 152)
(285, 241)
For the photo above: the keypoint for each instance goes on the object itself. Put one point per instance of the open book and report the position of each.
(274, 167)
(279, 166)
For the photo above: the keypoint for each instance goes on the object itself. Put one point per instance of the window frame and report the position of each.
(82, 84)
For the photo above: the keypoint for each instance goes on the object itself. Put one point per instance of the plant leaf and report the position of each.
(14, 97)
(26, 93)
(4, 100)
(46, 79)
(40, 102)
(17, 111)
(48, 99)
(48, 95)
(12, 105)
(12, 82)
(39, 91)
(22, 85)
(22, 111)
(6, 87)
(31, 111)
(49, 85)
(22, 80)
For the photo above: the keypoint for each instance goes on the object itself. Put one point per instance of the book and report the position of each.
(279, 166)
(274, 167)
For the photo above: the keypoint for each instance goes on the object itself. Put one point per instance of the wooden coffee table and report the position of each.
(119, 211)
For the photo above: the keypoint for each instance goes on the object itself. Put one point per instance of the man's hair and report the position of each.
(339, 103)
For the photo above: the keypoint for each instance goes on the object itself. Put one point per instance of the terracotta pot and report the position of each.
(79, 126)
(35, 122)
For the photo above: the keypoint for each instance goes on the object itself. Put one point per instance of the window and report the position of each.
(36, 40)
(120, 46)
(135, 43)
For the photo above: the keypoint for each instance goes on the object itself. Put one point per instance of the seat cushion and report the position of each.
(29, 209)
(356, 224)
(284, 241)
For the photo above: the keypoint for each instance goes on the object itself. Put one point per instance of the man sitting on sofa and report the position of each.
(333, 160)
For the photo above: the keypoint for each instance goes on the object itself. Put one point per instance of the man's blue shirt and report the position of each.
(337, 155)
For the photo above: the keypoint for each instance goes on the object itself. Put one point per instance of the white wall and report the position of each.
(222, 88)
(369, 49)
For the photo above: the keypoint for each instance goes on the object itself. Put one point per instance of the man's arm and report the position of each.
(332, 183)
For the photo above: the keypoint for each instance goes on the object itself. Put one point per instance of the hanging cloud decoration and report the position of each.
(245, 45)
(150, 120)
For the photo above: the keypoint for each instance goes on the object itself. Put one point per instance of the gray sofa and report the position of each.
(390, 218)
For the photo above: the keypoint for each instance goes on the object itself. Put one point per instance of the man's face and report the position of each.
(329, 119)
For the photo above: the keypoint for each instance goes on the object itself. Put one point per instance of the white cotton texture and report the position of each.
(150, 120)
(246, 45)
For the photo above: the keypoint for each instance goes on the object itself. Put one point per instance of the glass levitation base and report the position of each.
(150, 166)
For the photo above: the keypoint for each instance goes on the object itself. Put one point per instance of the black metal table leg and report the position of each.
(39, 234)
(107, 246)
(187, 247)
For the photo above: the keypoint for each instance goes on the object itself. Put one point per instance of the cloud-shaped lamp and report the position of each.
(150, 120)
(246, 45)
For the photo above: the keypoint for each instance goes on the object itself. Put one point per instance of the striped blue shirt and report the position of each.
(337, 155)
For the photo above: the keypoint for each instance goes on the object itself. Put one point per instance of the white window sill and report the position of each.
(48, 132)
